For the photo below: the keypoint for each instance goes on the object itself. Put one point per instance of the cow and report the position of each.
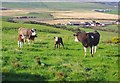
(20, 40)
(57, 42)
(90, 39)
(29, 34)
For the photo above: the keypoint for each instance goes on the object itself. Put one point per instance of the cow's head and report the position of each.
(76, 37)
(79, 36)
(22, 36)
(34, 32)
(56, 38)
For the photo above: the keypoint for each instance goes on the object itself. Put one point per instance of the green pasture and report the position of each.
(66, 64)
(38, 15)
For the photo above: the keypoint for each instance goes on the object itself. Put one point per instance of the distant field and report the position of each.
(40, 14)
(84, 15)
(55, 5)
(60, 6)
(59, 10)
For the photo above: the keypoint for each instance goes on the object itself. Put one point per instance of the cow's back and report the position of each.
(23, 31)
(91, 39)
(97, 38)
(94, 38)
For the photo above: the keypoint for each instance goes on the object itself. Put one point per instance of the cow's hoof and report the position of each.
(91, 55)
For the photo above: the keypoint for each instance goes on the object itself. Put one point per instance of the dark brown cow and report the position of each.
(57, 42)
(90, 39)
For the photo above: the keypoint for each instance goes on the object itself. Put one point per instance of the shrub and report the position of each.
(116, 40)
(107, 41)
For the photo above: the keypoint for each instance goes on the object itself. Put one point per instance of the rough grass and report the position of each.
(66, 64)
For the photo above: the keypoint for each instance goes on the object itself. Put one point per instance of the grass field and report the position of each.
(66, 64)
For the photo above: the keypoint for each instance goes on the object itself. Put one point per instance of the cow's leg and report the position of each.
(31, 42)
(95, 49)
(20, 44)
(28, 41)
(62, 44)
(91, 51)
(59, 45)
(54, 45)
(24, 41)
(85, 50)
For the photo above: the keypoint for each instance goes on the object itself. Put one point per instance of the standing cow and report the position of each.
(29, 34)
(57, 42)
(20, 40)
(90, 39)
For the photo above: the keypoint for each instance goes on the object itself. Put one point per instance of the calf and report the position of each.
(21, 40)
(90, 39)
(28, 33)
(57, 42)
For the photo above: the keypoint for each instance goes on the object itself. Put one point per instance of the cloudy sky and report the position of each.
(60, 0)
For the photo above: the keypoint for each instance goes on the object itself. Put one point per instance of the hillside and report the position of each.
(58, 5)
(66, 64)
(63, 64)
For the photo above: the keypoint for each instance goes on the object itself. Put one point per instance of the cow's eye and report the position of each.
(74, 35)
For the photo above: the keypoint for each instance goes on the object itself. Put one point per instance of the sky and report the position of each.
(59, 0)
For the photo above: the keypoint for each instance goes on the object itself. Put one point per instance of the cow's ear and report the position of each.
(32, 30)
(73, 34)
(35, 29)
(87, 34)
(54, 37)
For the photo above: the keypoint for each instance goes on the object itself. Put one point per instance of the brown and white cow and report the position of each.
(57, 42)
(90, 39)
(20, 40)
(29, 34)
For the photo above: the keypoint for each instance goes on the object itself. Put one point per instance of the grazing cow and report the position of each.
(29, 34)
(90, 39)
(57, 42)
(21, 40)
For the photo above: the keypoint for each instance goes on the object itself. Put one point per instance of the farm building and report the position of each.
(101, 10)
(86, 24)
(75, 23)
